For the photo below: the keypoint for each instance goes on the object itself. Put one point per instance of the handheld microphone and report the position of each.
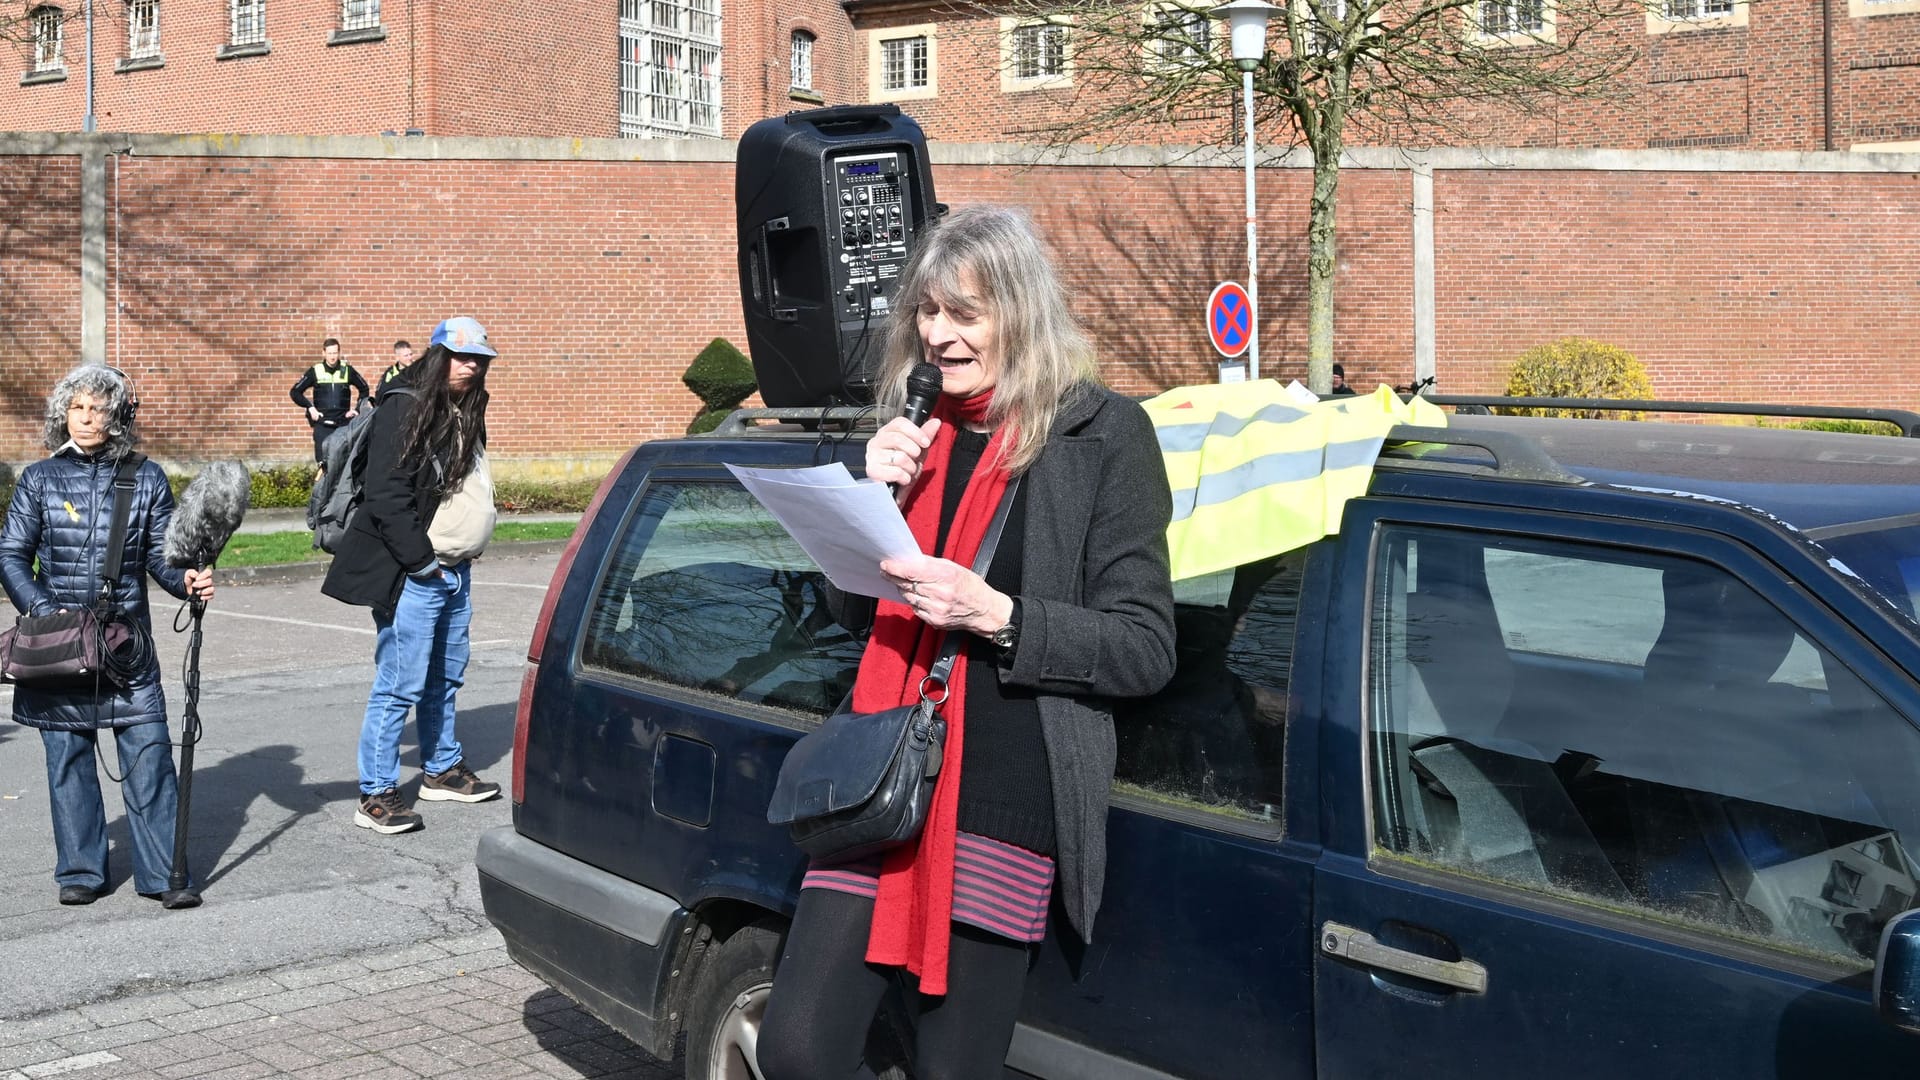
(923, 389)
(210, 510)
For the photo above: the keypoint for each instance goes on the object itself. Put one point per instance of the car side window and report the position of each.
(1214, 738)
(1638, 731)
(706, 591)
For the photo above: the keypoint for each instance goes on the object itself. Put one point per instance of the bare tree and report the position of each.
(1405, 73)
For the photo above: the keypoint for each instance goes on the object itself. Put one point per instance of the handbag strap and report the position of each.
(123, 484)
(950, 648)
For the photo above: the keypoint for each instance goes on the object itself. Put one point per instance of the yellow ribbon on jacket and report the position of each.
(1256, 473)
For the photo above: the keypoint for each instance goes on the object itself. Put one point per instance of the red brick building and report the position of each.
(1780, 75)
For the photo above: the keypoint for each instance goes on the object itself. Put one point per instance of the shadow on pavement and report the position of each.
(580, 1041)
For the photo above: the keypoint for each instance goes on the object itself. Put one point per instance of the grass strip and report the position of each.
(269, 549)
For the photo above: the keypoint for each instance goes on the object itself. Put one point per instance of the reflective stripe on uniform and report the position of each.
(1255, 473)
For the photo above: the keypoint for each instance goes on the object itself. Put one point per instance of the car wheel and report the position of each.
(724, 1019)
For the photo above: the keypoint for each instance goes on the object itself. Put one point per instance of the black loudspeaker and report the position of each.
(830, 202)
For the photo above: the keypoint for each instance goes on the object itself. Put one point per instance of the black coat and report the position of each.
(387, 537)
(61, 513)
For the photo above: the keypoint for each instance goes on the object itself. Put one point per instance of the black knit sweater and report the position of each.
(1006, 791)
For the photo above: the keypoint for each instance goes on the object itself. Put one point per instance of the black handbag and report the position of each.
(861, 783)
(71, 648)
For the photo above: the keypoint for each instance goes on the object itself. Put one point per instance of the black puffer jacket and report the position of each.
(61, 513)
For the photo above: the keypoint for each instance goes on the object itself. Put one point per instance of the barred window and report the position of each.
(802, 60)
(247, 22)
(669, 68)
(903, 63)
(1039, 51)
(1179, 36)
(1498, 17)
(359, 14)
(1698, 9)
(48, 28)
(143, 29)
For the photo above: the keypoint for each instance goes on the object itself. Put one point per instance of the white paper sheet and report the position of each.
(845, 526)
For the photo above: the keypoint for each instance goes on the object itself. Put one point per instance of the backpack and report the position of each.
(339, 490)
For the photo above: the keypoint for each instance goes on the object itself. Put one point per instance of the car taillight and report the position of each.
(524, 711)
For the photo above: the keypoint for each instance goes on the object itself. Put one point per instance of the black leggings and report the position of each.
(825, 996)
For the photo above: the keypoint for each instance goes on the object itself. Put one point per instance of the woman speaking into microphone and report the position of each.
(1075, 609)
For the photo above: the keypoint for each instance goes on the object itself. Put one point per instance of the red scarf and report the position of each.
(912, 913)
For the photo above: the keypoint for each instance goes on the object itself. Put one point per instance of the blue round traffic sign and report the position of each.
(1230, 319)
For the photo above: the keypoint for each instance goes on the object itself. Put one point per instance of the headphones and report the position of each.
(130, 402)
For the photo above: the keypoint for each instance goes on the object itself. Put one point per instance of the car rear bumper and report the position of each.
(600, 939)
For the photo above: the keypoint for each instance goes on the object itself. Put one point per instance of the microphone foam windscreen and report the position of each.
(210, 510)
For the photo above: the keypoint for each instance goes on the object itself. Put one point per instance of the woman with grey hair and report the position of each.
(52, 551)
(1074, 611)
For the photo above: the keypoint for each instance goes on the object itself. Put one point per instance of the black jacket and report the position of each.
(333, 399)
(387, 538)
(61, 512)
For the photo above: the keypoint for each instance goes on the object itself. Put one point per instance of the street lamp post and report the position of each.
(1247, 30)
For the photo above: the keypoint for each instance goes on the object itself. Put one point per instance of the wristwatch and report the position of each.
(1008, 636)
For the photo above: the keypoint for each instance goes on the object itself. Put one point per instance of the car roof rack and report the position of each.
(1515, 456)
(743, 423)
(1907, 421)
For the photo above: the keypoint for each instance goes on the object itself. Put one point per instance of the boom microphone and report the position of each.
(923, 389)
(210, 510)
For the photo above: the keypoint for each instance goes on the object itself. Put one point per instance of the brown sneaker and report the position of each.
(458, 784)
(386, 812)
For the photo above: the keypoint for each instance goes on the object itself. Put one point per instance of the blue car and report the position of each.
(1585, 748)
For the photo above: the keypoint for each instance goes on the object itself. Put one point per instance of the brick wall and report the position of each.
(474, 67)
(601, 279)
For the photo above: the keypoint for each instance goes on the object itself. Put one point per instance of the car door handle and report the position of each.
(1361, 948)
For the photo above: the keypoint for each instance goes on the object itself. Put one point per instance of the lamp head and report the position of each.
(1247, 30)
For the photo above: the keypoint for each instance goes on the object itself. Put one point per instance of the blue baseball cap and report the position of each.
(461, 334)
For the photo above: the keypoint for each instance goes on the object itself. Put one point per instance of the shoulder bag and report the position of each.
(861, 783)
(70, 648)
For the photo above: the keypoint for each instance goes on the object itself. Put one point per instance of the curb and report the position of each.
(281, 573)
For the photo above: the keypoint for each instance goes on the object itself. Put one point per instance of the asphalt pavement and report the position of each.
(323, 950)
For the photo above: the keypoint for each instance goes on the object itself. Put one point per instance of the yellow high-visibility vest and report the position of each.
(1255, 473)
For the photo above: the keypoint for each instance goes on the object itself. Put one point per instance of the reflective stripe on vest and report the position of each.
(1256, 473)
(339, 375)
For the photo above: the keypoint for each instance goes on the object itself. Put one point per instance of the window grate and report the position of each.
(1181, 37)
(247, 22)
(903, 63)
(669, 68)
(143, 29)
(802, 60)
(359, 14)
(1498, 17)
(48, 33)
(1039, 51)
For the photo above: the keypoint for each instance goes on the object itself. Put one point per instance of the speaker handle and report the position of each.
(766, 287)
(859, 119)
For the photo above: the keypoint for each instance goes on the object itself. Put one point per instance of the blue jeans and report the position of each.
(150, 791)
(421, 659)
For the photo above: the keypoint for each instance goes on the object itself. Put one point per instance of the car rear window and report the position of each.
(705, 591)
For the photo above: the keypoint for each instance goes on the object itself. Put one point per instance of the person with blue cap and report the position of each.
(407, 554)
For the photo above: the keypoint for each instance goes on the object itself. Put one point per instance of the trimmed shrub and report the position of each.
(721, 377)
(544, 496)
(1849, 427)
(1578, 368)
(282, 486)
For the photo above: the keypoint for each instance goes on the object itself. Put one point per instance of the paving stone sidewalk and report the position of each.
(455, 1007)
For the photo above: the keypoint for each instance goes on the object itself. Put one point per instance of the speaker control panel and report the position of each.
(871, 224)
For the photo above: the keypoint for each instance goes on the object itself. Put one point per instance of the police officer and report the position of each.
(402, 356)
(333, 384)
